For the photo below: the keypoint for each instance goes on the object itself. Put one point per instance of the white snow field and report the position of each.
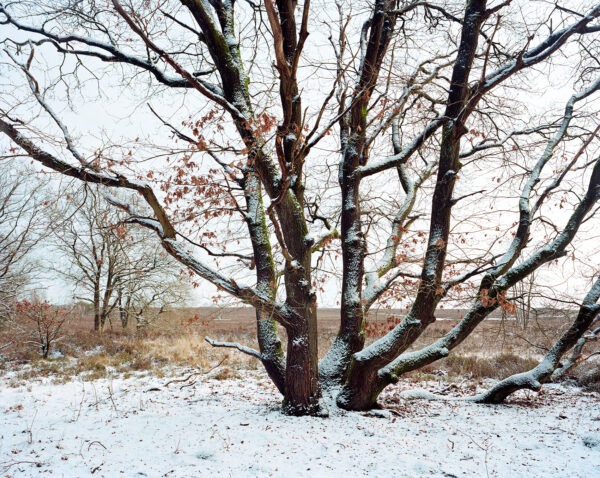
(136, 427)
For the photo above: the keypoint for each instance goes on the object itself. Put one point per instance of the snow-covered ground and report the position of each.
(136, 427)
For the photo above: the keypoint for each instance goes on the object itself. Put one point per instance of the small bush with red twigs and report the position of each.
(41, 322)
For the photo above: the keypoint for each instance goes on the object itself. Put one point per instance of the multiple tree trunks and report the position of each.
(360, 389)
(272, 169)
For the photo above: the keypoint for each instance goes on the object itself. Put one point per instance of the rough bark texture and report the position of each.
(351, 336)
(359, 391)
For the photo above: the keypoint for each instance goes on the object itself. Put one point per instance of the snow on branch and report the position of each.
(88, 174)
(167, 233)
(557, 247)
(234, 345)
(405, 154)
(526, 213)
(209, 93)
(480, 310)
(34, 86)
(575, 356)
(489, 143)
(529, 58)
(106, 52)
(543, 372)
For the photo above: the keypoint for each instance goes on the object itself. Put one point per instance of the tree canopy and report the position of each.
(404, 150)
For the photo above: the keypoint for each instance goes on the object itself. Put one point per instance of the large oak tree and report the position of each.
(366, 129)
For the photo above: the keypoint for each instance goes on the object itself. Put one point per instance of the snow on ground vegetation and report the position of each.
(138, 427)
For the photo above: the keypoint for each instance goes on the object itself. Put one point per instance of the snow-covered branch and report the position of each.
(534, 378)
(234, 345)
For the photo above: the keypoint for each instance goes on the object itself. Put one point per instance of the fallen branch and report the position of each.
(179, 380)
(7, 465)
(6, 345)
(96, 442)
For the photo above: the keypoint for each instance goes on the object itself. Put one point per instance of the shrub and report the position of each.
(41, 321)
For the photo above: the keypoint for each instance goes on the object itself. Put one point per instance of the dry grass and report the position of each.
(476, 368)
(496, 349)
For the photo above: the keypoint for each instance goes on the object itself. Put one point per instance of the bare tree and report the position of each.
(419, 103)
(116, 269)
(20, 220)
(151, 294)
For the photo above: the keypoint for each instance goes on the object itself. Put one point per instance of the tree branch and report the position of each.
(233, 345)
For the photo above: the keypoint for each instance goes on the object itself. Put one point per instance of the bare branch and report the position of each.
(234, 345)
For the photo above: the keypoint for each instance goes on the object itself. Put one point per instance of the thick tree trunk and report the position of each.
(287, 201)
(361, 387)
(270, 349)
(302, 387)
(266, 328)
(351, 335)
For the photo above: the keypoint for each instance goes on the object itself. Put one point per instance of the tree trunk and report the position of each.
(97, 324)
(361, 389)
(351, 335)
(353, 136)
(103, 317)
(302, 387)
(123, 312)
(96, 321)
(362, 385)
(124, 315)
(269, 343)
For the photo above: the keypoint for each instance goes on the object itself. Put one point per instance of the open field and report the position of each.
(144, 427)
(497, 348)
(161, 402)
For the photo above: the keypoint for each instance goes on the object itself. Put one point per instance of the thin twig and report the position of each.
(194, 374)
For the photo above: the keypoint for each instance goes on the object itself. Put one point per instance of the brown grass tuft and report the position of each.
(499, 366)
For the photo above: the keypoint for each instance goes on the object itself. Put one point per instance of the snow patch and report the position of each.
(418, 394)
(139, 427)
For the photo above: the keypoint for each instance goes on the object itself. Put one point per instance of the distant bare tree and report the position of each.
(116, 269)
(20, 230)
